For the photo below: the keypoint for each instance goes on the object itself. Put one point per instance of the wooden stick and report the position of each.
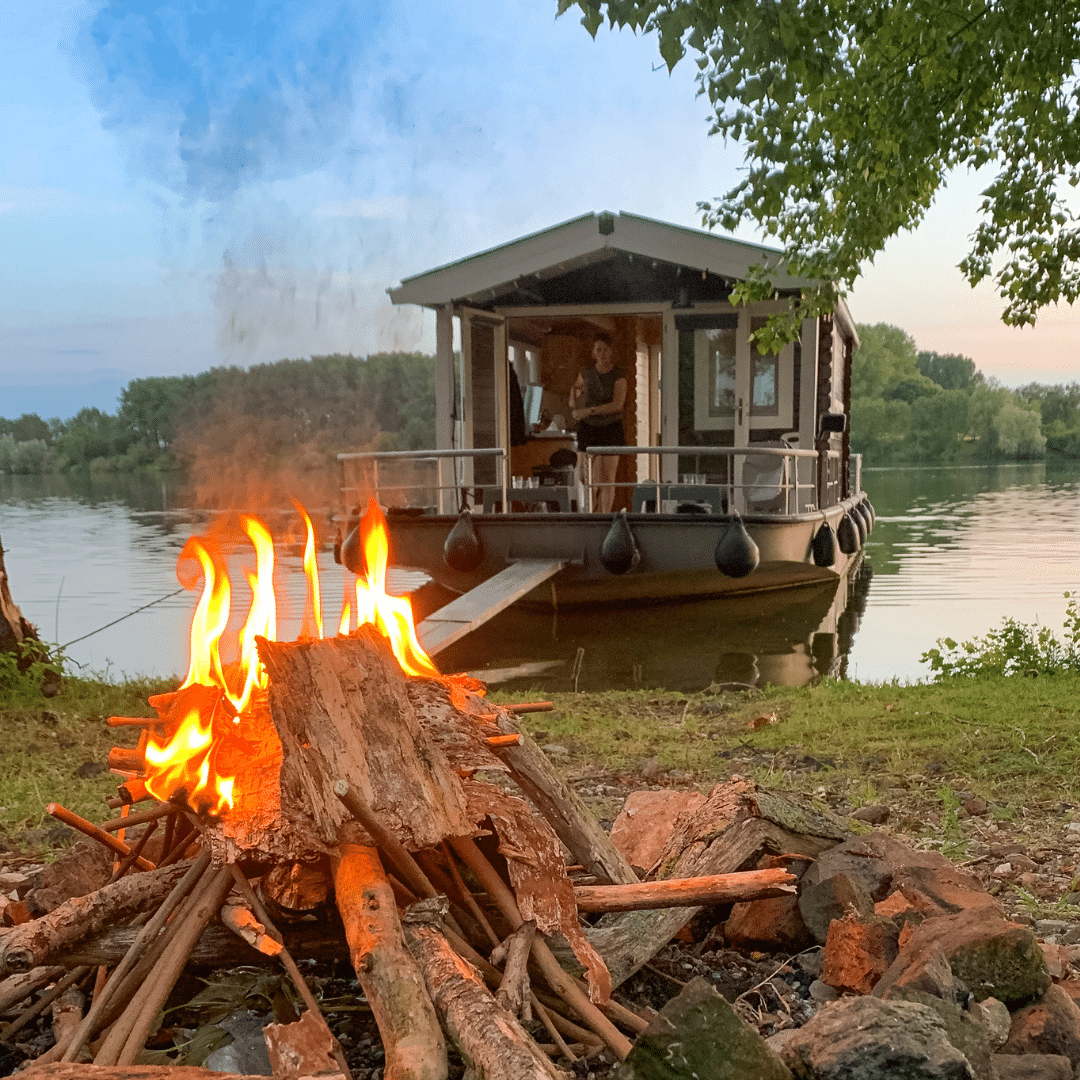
(183, 838)
(61, 813)
(392, 983)
(25, 947)
(124, 759)
(557, 979)
(395, 851)
(172, 963)
(113, 824)
(503, 740)
(685, 892)
(17, 988)
(552, 1030)
(146, 935)
(528, 707)
(126, 863)
(494, 1044)
(42, 1003)
(302, 988)
(67, 1013)
(130, 791)
(132, 721)
(513, 993)
(573, 822)
(470, 900)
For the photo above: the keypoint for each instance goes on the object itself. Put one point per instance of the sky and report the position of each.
(200, 182)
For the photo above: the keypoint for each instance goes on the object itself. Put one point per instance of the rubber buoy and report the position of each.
(865, 515)
(872, 512)
(619, 551)
(823, 546)
(350, 552)
(860, 525)
(736, 553)
(462, 549)
(847, 535)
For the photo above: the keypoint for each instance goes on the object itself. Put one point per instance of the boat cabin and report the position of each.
(709, 420)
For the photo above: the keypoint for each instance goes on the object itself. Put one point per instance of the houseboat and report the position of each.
(733, 473)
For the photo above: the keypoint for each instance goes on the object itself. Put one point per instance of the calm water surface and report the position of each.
(953, 553)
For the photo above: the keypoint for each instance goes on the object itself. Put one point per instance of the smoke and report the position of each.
(214, 95)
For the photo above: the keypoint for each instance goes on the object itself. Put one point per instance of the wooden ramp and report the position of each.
(474, 608)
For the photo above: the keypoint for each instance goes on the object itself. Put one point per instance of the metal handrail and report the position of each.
(438, 456)
(788, 487)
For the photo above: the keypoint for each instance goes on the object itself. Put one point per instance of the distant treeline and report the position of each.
(911, 406)
(298, 412)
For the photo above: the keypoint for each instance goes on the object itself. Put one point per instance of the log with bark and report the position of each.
(16, 634)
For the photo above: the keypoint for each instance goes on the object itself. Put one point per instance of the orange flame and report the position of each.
(312, 626)
(214, 697)
(390, 615)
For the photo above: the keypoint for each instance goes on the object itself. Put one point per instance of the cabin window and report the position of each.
(735, 385)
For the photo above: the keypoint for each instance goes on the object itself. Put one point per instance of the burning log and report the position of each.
(392, 983)
(31, 944)
(494, 1044)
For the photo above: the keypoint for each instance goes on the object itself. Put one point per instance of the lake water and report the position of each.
(954, 552)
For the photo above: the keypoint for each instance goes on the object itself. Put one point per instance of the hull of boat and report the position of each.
(677, 554)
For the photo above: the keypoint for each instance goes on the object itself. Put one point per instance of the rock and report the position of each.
(1058, 961)
(822, 993)
(992, 957)
(646, 821)
(931, 976)
(1046, 927)
(858, 951)
(832, 898)
(994, 1017)
(865, 1038)
(554, 750)
(697, 1035)
(976, 806)
(1030, 1067)
(942, 890)
(875, 814)
(771, 925)
(1049, 1026)
(871, 861)
(91, 768)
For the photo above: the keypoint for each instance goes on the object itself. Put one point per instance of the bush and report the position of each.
(1013, 649)
(28, 457)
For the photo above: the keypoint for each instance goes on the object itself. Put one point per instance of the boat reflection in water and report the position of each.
(790, 637)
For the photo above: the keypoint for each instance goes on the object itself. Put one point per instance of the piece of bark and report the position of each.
(14, 629)
(303, 1048)
(240, 919)
(297, 886)
(629, 939)
(341, 710)
(393, 985)
(494, 1044)
(686, 892)
(31, 944)
(563, 808)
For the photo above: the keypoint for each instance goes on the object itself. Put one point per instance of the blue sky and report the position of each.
(197, 182)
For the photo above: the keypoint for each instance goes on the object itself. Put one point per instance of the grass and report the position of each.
(46, 740)
(921, 748)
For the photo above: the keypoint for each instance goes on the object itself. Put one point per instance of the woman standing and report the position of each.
(596, 403)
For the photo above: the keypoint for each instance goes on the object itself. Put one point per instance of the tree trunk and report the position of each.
(14, 629)
(685, 892)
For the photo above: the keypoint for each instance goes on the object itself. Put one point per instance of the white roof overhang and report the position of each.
(482, 277)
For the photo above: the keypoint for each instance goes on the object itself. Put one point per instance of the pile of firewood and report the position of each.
(461, 897)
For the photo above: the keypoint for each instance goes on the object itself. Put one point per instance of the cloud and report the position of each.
(387, 208)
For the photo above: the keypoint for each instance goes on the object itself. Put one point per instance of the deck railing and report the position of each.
(755, 479)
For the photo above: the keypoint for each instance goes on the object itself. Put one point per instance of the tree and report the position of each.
(949, 370)
(885, 354)
(854, 112)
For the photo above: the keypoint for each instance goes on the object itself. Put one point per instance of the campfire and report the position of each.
(280, 774)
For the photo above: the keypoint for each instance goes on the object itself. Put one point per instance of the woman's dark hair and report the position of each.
(604, 336)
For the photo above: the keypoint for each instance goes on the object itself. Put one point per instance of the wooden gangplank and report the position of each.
(474, 608)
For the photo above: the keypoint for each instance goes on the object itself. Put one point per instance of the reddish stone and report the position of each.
(942, 890)
(894, 904)
(1030, 1067)
(1050, 1026)
(1057, 960)
(858, 952)
(1072, 988)
(647, 820)
(771, 925)
(992, 957)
